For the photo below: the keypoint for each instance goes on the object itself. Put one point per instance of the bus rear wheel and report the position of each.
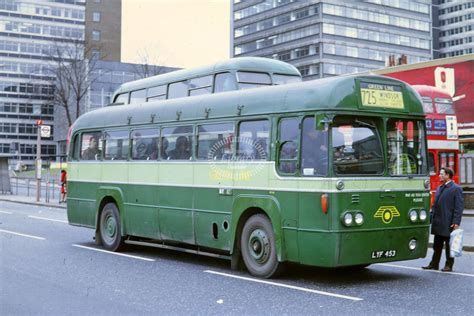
(110, 228)
(258, 247)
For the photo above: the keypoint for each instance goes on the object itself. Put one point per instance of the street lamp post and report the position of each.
(38, 160)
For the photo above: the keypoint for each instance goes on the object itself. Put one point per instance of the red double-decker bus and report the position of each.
(442, 133)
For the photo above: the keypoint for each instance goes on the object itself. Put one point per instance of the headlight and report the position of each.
(348, 219)
(413, 216)
(412, 244)
(359, 218)
(423, 215)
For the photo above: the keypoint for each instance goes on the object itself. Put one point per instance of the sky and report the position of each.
(175, 33)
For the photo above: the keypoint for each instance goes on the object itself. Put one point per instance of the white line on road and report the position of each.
(5, 212)
(114, 253)
(419, 269)
(47, 219)
(286, 285)
(19, 234)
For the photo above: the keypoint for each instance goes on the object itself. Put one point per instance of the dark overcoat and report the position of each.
(447, 209)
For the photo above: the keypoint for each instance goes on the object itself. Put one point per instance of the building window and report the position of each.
(96, 35)
(96, 16)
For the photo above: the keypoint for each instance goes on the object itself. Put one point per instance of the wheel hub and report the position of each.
(259, 246)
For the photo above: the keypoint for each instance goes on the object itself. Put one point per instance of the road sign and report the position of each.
(45, 131)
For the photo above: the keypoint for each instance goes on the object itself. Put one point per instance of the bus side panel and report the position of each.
(175, 214)
(289, 216)
(212, 218)
(79, 210)
(315, 242)
(141, 211)
(175, 197)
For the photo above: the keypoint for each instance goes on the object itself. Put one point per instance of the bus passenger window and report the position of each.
(248, 80)
(116, 145)
(201, 85)
(314, 150)
(284, 79)
(215, 141)
(122, 98)
(288, 135)
(91, 146)
(179, 142)
(224, 82)
(431, 164)
(178, 90)
(145, 144)
(156, 93)
(253, 140)
(138, 96)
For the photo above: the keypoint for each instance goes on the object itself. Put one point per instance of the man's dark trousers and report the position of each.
(438, 243)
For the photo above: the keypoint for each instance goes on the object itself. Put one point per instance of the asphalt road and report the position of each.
(50, 268)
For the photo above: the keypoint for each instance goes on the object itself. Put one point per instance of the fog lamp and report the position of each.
(413, 216)
(423, 215)
(359, 218)
(412, 244)
(348, 219)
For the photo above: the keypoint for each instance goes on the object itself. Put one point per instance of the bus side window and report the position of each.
(179, 140)
(314, 150)
(431, 164)
(122, 98)
(224, 82)
(75, 148)
(138, 96)
(91, 146)
(200, 85)
(288, 131)
(156, 93)
(215, 141)
(253, 140)
(178, 90)
(116, 145)
(145, 144)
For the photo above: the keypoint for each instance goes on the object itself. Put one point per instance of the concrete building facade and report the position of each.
(326, 37)
(104, 28)
(453, 28)
(30, 32)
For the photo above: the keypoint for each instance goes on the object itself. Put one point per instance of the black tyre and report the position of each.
(110, 228)
(258, 247)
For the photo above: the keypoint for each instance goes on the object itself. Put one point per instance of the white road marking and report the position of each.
(114, 253)
(286, 286)
(48, 219)
(5, 212)
(19, 234)
(419, 269)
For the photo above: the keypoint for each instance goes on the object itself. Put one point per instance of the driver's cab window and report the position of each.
(314, 149)
(288, 131)
(405, 144)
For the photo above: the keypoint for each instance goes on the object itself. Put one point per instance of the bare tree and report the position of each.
(144, 68)
(73, 74)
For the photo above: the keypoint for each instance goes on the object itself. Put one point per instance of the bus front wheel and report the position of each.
(110, 228)
(258, 247)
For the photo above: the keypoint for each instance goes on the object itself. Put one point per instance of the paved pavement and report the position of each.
(467, 223)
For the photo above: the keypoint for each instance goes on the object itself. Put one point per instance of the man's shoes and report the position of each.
(430, 267)
(447, 269)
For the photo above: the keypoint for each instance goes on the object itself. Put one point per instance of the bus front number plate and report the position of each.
(383, 254)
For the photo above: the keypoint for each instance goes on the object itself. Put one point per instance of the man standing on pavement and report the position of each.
(447, 212)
